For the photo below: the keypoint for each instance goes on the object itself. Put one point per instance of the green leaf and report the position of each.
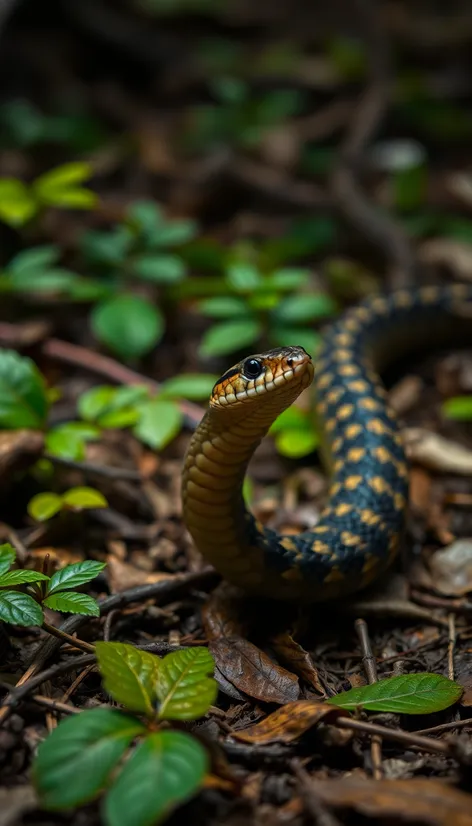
(74, 575)
(68, 440)
(303, 308)
(33, 260)
(243, 277)
(108, 248)
(17, 205)
(96, 401)
(173, 234)
(287, 336)
(7, 557)
(145, 216)
(129, 675)
(405, 694)
(43, 506)
(75, 762)
(19, 609)
(184, 686)
(229, 336)
(57, 280)
(193, 386)
(165, 770)
(129, 325)
(293, 418)
(159, 423)
(82, 498)
(295, 443)
(58, 187)
(19, 577)
(23, 399)
(72, 602)
(161, 269)
(458, 408)
(287, 278)
(223, 306)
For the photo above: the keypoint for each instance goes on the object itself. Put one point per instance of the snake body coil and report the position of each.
(358, 532)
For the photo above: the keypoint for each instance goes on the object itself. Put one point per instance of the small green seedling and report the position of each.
(34, 590)
(61, 188)
(141, 766)
(44, 506)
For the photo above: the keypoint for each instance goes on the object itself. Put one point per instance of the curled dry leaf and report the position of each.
(253, 672)
(436, 452)
(288, 722)
(292, 654)
(418, 800)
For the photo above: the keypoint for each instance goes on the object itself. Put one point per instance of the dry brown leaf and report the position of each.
(253, 672)
(289, 722)
(18, 450)
(437, 453)
(293, 655)
(221, 615)
(448, 252)
(122, 575)
(419, 800)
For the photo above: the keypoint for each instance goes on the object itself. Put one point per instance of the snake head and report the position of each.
(277, 376)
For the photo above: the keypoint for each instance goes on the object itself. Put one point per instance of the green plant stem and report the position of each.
(64, 637)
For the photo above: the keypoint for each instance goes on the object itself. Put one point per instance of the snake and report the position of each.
(359, 531)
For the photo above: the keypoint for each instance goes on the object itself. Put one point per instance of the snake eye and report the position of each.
(252, 368)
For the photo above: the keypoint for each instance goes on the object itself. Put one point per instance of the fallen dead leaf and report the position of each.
(437, 453)
(405, 394)
(448, 252)
(250, 670)
(293, 655)
(289, 722)
(419, 800)
(122, 575)
(221, 615)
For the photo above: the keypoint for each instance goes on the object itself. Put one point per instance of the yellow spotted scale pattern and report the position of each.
(359, 530)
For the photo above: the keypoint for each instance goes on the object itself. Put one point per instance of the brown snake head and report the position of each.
(277, 376)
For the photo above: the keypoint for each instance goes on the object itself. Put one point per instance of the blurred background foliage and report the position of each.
(173, 187)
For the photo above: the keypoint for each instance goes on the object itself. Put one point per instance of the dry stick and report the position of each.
(317, 809)
(49, 647)
(366, 216)
(406, 737)
(54, 705)
(62, 635)
(97, 470)
(109, 368)
(446, 727)
(450, 645)
(370, 668)
(75, 684)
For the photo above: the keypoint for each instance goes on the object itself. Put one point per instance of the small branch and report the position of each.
(97, 470)
(405, 737)
(110, 369)
(451, 644)
(62, 635)
(370, 667)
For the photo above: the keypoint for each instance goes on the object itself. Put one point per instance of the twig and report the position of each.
(446, 726)
(450, 645)
(75, 684)
(62, 635)
(21, 691)
(370, 667)
(98, 470)
(54, 705)
(406, 737)
(164, 589)
(109, 368)
(366, 216)
(317, 809)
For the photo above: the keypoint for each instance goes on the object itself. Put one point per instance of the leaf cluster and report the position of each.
(24, 607)
(60, 187)
(93, 752)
